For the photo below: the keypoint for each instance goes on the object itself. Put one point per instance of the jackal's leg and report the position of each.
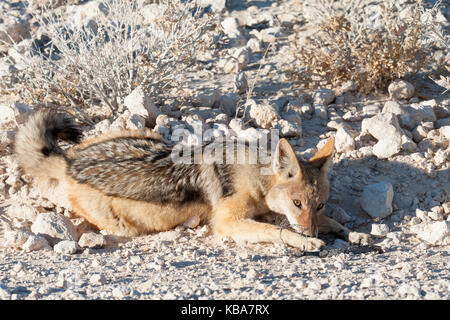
(232, 218)
(328, 225)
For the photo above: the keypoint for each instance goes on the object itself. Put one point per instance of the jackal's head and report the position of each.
(300, 189)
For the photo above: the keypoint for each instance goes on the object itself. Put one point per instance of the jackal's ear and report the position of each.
(323, 157)
(285, 161)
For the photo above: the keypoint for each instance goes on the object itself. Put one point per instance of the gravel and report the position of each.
(389, 178)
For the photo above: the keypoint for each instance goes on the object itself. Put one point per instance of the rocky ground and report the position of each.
(390, 178)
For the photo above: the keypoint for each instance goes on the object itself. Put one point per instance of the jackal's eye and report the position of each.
(297, 203)
(320, 206)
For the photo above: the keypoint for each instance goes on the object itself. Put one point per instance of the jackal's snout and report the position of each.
(307, 224)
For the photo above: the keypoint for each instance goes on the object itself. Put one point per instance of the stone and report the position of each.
(240, 83)
(421, 113)
(379, 229)
(97, 278)
(376, 199)
(323, 96)
(35, 243)
(263, 114)
(344, 140)
(228, 103)
(385, 128)
(207, 98)
(400, 90)
(15, 238)
(135, 122)
(371, 110)
(54, 227)
(435, 233)
(321, 111)
(237, 125)
(66, 247)
(269, 35)
(216, 5)
(250, 134)
(386, 148)
(288, 129)
(92, 240)
(230, 27)
(140, 103)
(254, 45)
(408, 144)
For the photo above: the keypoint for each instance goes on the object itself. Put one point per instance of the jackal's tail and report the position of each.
(36, 146)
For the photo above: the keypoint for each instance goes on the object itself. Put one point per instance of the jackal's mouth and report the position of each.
(304, 231)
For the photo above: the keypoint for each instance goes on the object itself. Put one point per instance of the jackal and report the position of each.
(127, 183)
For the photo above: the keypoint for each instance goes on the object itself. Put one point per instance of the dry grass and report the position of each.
(102, 62)
(370, 50)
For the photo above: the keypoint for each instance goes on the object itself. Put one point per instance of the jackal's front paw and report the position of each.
(307, 244)
(359, 238)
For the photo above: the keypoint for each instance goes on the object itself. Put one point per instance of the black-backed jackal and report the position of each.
(127, 183)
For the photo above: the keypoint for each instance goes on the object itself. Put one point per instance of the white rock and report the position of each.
(408, 290)
(54, 227)
(323, 96)
(400, 89)
(92, 240)
(15, 238)
(34, 243)
(368, 282)
(445, 131)
(288, 129)
(382, 126)
(435, 233)
(385, 128)
(120, 292)
(376, 199)
(138, 102)
(251, 274)
(230, 27)
(250, 134)
(386, 149)
(421, 113)
(270, 34)
(66, 247)
(254, 45)
(380, 230)
(436, 216)
(344, 140)
(97, 278)
(263, 114)
(408, 144)
(237, 125)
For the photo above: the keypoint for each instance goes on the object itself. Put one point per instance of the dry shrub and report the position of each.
(102, 61)
(370, 50)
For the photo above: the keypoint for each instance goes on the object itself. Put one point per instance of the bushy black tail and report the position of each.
(36, 146)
